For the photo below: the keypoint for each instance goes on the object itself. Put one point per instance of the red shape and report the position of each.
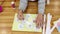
(13, 5)
(1, 8)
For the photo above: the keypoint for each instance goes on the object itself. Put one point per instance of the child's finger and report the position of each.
(38, 26)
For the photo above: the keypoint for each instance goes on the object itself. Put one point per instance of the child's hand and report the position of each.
(20, 15)
(39, 21)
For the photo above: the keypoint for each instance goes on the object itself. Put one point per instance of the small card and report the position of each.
(25, 25)
(58, 25)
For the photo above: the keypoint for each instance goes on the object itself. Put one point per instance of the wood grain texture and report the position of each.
(7, 16)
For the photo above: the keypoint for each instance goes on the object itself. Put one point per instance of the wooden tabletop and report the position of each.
(7, 16)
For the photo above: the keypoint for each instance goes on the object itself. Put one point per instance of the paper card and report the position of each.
(25, 25)
(58, 25)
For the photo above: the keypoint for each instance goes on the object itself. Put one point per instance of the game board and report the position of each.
(25, 25)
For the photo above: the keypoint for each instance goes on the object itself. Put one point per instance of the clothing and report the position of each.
(41, 5)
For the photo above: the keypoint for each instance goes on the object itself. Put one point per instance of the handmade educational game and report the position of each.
(25, 25)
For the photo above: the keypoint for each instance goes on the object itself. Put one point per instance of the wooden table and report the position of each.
(7, 16)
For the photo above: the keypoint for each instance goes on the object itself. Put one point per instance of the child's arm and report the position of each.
(41, 6)
(23, 5)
